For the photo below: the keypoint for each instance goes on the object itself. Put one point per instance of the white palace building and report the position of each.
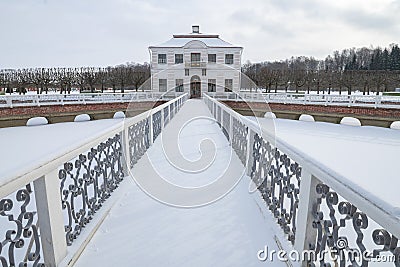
(195, 63)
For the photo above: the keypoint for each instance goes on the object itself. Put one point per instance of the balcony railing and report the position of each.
(49, 211)
(195, 64)
(314, 206)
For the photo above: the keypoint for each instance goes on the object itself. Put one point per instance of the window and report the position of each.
(229, 59)
(178, 58)
(162, 85)
(162, 58)
(211, 85)
(228, 85)
(203, 72)
(212, 58)
(187, 72)
(195, 57)
(179, 85)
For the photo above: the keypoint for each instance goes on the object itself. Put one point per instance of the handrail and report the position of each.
(317, 180)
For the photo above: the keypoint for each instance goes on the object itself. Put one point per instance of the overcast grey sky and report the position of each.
(48, 33)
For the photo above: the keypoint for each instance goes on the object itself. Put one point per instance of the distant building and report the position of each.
(195, 63)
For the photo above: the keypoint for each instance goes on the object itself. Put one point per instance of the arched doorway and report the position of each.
(195, 87)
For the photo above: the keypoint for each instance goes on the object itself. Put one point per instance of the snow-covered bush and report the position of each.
(35, 121)
(119, 115)
(351, 121)
(82, 117)
(306, 117)
(270, 115)
(395, 125)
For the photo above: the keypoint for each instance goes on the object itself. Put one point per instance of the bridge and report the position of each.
(191, 182)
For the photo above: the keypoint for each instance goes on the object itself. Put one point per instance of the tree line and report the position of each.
(86, 79)
(363, 69)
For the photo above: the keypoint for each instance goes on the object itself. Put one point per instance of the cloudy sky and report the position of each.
(48, 33)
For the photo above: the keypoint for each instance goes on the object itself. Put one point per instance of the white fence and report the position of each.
(86, 98)
(375, 101)
(315, 207)
(47, 214)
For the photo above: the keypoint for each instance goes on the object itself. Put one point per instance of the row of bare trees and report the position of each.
(364, 69)
(64, 80)
(274, 77)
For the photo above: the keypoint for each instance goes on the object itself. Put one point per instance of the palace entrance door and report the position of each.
(195, 87)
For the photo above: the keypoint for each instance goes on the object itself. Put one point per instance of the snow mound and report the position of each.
(351, 121)
(395, 125)
(119, 115)
(306, 117)
(270, 115)
(82, 117)
(36, 121)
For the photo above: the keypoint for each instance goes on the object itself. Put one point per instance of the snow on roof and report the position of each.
(207, 39)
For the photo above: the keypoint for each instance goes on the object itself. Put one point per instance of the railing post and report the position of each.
(162, 119)
(126, 159)
(9, 102)
(305, 234)
(249, 156)
(151, 127)
(50, 218)
(230, 129)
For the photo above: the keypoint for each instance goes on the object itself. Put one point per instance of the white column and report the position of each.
(305, 233)
(126, 159)
(50, 218)
(249, 157)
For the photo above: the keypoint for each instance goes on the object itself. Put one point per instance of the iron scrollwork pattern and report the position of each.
(156, 124)
(166, 115)
(333, 225)
(226, 124)
(21, 243)
(139, 140)
(87, 182)
(278, 179)
(239, 139)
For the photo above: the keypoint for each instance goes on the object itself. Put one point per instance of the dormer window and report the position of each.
(195, 29)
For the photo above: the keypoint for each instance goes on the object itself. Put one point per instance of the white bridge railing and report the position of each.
(375, 101)
(85, 98)
(316, 208)
(48, 214)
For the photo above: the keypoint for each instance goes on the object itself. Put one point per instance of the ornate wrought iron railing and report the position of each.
(326, 221)
(376, 101)
(49, 214)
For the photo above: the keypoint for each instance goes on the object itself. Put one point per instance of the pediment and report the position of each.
(195, 44)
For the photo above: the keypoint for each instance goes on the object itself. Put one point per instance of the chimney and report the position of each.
(195, 29)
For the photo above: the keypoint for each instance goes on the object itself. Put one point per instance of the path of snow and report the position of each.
(140, 231)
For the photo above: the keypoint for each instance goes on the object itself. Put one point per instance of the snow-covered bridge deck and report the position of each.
(141, 231)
